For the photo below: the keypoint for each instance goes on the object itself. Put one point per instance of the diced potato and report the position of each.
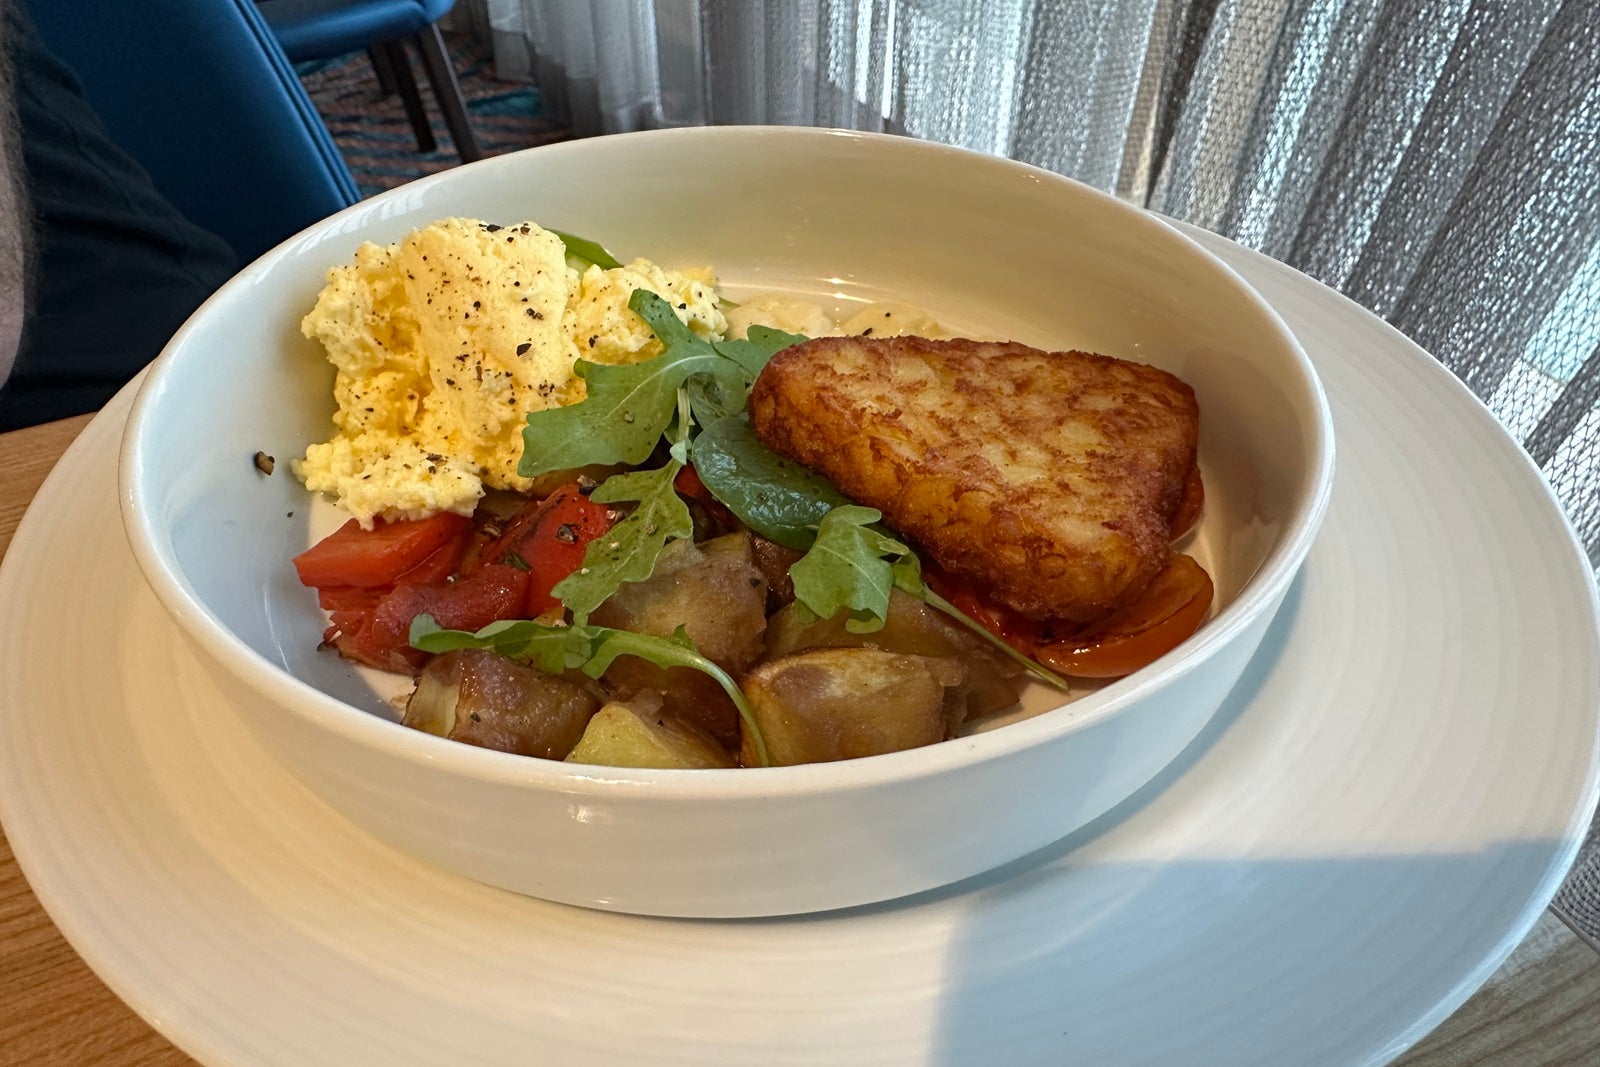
(640, 734)
(840, 703)
(484, 699)
(717, 594)
(691, 695)
(713, 590)
(916, 629)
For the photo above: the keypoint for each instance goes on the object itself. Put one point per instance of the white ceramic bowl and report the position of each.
(987, 246)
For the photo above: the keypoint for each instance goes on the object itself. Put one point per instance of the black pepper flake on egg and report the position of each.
(535, 313)
(867, 332)
(516, 283)
(493, 227)
(522, 349)
(593, 338)
(477, 304)
(683, 307)
(451, 382)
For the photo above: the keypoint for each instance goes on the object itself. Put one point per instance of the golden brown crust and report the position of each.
(1050, 477)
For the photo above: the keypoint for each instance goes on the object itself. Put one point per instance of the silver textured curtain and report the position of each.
(1436, 160)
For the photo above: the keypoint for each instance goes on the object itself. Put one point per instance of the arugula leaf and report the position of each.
(591, 649)
(587, 250)
(846, 569)
(627, 408)
(628, 552)
(664, 322)
(712, 400)
(779, 499)
(759, 345)
(547, 647)
(1031, 665)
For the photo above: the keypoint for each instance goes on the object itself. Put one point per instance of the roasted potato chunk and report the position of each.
(484, 699)
(717, 594)
(914, 628)
(639, 733)
(830, 704)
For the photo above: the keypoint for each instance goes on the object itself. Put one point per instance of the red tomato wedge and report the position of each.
(1169, 611)
(351, 597)
(440, 565)
(351, 556)
(549, 540)
(381, 636)
(1018, 631)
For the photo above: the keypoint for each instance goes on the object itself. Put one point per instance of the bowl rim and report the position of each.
(387, 738)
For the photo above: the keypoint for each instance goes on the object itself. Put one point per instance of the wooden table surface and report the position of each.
(1542, 1007)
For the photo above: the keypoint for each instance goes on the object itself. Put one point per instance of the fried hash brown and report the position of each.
(1050, 477)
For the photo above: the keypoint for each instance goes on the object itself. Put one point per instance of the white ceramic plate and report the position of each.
(1370, 824)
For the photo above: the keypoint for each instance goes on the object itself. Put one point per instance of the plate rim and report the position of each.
(1560, 861)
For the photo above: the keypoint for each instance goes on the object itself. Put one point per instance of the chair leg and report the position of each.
(448, 92)
(406, 86)
(383, 69)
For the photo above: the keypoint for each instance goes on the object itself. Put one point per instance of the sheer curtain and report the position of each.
(1436, 160)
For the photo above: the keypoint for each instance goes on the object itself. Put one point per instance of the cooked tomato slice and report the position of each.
(494, 592)
(380, 636)
(549, 541)
(439, 564)
(351, 556)
(1169, 611)
(436, 568)
(351, 597)
(1016, 630)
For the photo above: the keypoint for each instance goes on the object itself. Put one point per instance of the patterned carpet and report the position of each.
(372, 132)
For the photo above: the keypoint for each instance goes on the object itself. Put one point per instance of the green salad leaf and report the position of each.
(587, 251)
(759, 345)
(553, 649)
(628, 552)
(627, 408)
(587, 648)
(778, 498)
(852, 567)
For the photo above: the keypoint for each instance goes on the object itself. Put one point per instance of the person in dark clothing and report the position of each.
(112, 269)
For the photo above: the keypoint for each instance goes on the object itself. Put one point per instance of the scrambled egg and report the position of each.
(445, 341)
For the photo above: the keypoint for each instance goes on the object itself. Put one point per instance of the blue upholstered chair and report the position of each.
(202, 96)
(322, 29)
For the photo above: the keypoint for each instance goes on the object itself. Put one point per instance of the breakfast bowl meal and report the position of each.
(728, 521)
